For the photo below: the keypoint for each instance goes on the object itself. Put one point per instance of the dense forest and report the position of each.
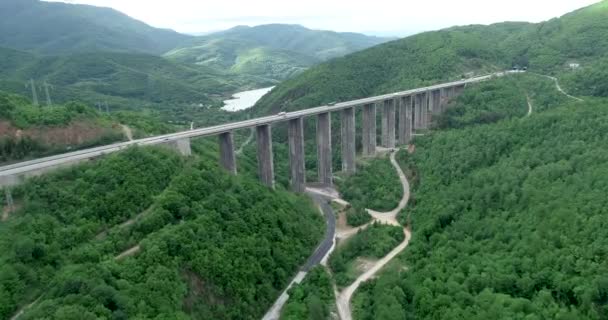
(507, 218)
(310, 300)
(197, 252)
(375, 186)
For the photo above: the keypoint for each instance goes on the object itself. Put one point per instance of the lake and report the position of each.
(245, 100)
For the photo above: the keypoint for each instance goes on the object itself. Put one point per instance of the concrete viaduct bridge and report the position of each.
(414, 107)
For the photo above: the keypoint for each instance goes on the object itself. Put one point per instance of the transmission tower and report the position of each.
(32, 85)
(46, 86)
(107, 107)
(9, 199)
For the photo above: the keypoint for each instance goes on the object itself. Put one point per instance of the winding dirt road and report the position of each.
(344, 297)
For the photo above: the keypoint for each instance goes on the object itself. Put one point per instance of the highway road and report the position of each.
(320, 253)
(42, 163)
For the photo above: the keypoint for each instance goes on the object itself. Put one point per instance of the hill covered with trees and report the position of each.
(32, 131)
(275, 51)
(506, 215)
(203, 244)
(439, 56)
(61, 28)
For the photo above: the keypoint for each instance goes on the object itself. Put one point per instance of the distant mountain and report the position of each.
(429, 57)
(276, 51)
(60, 28)
(125, 79)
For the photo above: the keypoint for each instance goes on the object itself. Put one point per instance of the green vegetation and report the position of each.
(202, 253)
(357, 216)
(272, 51)
(375, 241)
(59, 28)
(32, 131)
(506, 220)
(64, 210)
(433, 57)
(375, 186)
(310, 300)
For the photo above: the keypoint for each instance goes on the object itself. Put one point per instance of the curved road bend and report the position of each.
(320, 253)
(343, 299)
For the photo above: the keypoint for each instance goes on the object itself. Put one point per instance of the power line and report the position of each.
(46, 86)
(32, 85)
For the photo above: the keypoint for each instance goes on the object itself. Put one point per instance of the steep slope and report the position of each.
(448, 54)
(28, 131)
(505, 225)
(59, 28)
(275, 51)
(208, 245)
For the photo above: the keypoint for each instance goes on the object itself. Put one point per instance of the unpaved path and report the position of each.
(127, 132)
(128, 253)
(529, 106)
(20, 312)
(558, 87)
(343, 298)
(246, 143)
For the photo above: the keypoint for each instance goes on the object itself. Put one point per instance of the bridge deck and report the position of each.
(42, 163)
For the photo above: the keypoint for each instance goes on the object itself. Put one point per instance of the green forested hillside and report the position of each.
(60, 28)
(129, 80)
(274, 51)
(28, 131)
(507, 217)
(207, 245)
(432, 57)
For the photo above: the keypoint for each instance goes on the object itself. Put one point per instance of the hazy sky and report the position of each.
(393, 17)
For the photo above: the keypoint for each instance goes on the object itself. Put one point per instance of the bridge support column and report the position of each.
(417, 110)
(265, 158)
(369, 130)
(296, 155)
(405, 120)
(436, 107)
(425, 111)
(324, 155)
(182, 146)
(348, 141)
(388, 124)
(227, 156)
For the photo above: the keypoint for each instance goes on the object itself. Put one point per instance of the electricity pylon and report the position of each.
(32, 85)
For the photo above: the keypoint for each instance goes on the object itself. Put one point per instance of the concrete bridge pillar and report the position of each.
(265, 157)
(459, 89)
(405, 120)
(297, 166)
(388, 124)
(182, 146)
(369, 130)
(417, 111)
(324, 156)
(424, 120)
(227, 156)
(348, 141)
(436, 106)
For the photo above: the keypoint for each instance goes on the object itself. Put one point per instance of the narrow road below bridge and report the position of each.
(344, 297)
(320, 254)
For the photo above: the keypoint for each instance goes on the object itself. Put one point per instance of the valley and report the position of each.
(276, 171)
